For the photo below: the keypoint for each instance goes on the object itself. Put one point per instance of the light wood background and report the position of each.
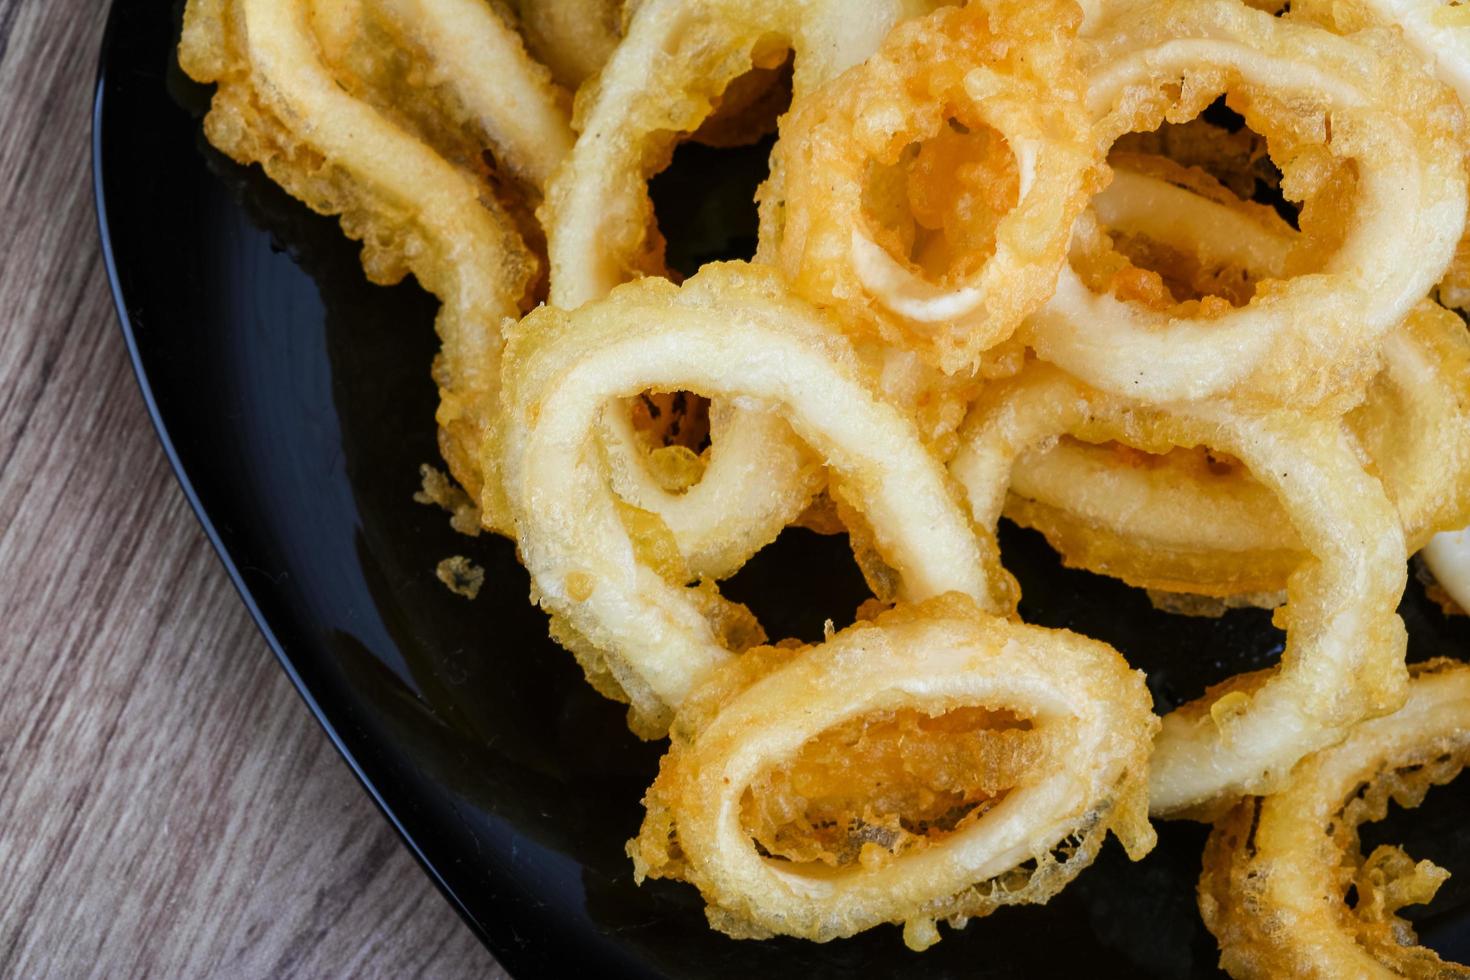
(168, 807)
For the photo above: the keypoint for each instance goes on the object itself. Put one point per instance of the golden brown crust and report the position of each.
(1278, 871)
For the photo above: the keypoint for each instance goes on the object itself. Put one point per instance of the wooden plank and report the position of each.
(168, 807)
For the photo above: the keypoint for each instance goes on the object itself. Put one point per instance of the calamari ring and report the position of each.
(951, 82)
(1340, 617)
(1277, 870)
(664, 80)
(1302, 340)
(278, 105)
(1077, 696)
(1184, 523)
(730, 331)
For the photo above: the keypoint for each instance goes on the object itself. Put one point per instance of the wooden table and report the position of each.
(168, 807)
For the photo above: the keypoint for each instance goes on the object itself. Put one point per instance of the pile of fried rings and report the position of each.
(1011, 263)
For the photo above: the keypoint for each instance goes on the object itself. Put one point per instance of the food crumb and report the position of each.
(439, 490)
(461, 576)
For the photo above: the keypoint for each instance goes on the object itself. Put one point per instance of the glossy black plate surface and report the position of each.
(295, 401)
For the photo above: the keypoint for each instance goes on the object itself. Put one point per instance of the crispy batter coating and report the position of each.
(440, 490)
(423, 62)
(889, 783)
(929, 192)
(572, 37)
(1369, 145)
(1437, 34)
(730, 331)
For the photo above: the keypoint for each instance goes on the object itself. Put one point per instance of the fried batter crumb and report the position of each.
(461, 576)
(440, 490)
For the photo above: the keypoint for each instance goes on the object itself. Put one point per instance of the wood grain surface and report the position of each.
(168, 807)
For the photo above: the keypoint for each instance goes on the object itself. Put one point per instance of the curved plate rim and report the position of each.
(501, 946)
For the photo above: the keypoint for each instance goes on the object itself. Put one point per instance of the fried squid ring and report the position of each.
(1277, 871)
(1189, 522)
(1071, 767)
(1340, 617)
(278, 105)
(730, 331)
(1437, 31)
(663, 81)
(931, 190)
(1342, 115)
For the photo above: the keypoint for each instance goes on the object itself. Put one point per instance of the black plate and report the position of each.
(295, 403)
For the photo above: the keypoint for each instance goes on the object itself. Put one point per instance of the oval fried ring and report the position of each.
(1075, 696)
(730, 331)
(279, 106)
(988, 79)
(1324, 101)
(1277, 870)
(1184, 523)
(664, 79)
(1340, 617)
